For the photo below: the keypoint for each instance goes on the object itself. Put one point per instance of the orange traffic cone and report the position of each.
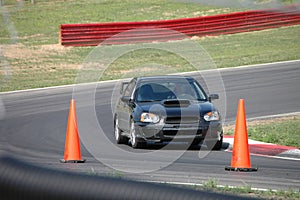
(240, 155)
(72, 147)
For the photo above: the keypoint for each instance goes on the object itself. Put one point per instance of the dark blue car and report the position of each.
(163, 109)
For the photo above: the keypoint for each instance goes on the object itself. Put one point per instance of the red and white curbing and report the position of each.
(266, 149)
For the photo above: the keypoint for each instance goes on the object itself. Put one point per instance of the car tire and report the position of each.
(195, 142)
(218, 145)
(135, 143)
(215, 145)
(121, 139)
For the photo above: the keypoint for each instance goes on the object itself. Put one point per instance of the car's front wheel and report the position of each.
(215, 145)
(135, 143)
(118, 136)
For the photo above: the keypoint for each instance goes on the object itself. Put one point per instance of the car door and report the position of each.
(126, 106)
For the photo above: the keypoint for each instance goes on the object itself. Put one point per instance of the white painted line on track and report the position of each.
(240, 67)
(265, 117)
(285, 158)
(57, 87)
(274, 116)
(258, 65)
(268, 156)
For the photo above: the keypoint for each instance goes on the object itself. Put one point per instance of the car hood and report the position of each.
(170, 108)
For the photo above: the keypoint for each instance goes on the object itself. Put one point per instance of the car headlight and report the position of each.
(212, 116)
(149, 117)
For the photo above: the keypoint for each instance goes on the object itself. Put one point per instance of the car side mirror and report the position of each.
(125, 99)
(213, 97)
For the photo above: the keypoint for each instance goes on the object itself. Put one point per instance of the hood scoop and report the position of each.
(176, 103)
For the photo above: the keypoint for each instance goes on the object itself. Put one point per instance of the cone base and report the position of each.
(71, 161)
(241, 169)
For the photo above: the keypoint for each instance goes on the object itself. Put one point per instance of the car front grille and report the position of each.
(175, 132)
(181, 120)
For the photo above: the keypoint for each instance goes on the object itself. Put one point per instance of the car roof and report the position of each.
(162, 77)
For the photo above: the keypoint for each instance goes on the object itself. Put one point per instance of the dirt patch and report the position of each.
(19, 63)
(205, 37)
(197, 13)
(168, 14)
(211, 12)
(57, 48)
(19, 51)
(149, 9)
(16, 51)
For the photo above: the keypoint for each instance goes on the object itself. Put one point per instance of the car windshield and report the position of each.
(159, 90)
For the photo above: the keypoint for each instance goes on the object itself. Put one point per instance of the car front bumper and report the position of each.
(159, 133)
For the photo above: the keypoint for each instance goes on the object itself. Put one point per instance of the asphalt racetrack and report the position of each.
(33, 128)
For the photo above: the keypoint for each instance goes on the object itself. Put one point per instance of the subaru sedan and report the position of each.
(164, 109)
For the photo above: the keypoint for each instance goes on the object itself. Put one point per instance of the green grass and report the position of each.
(282, 132)
(212, 185)
(254, 47)
(269, 194)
